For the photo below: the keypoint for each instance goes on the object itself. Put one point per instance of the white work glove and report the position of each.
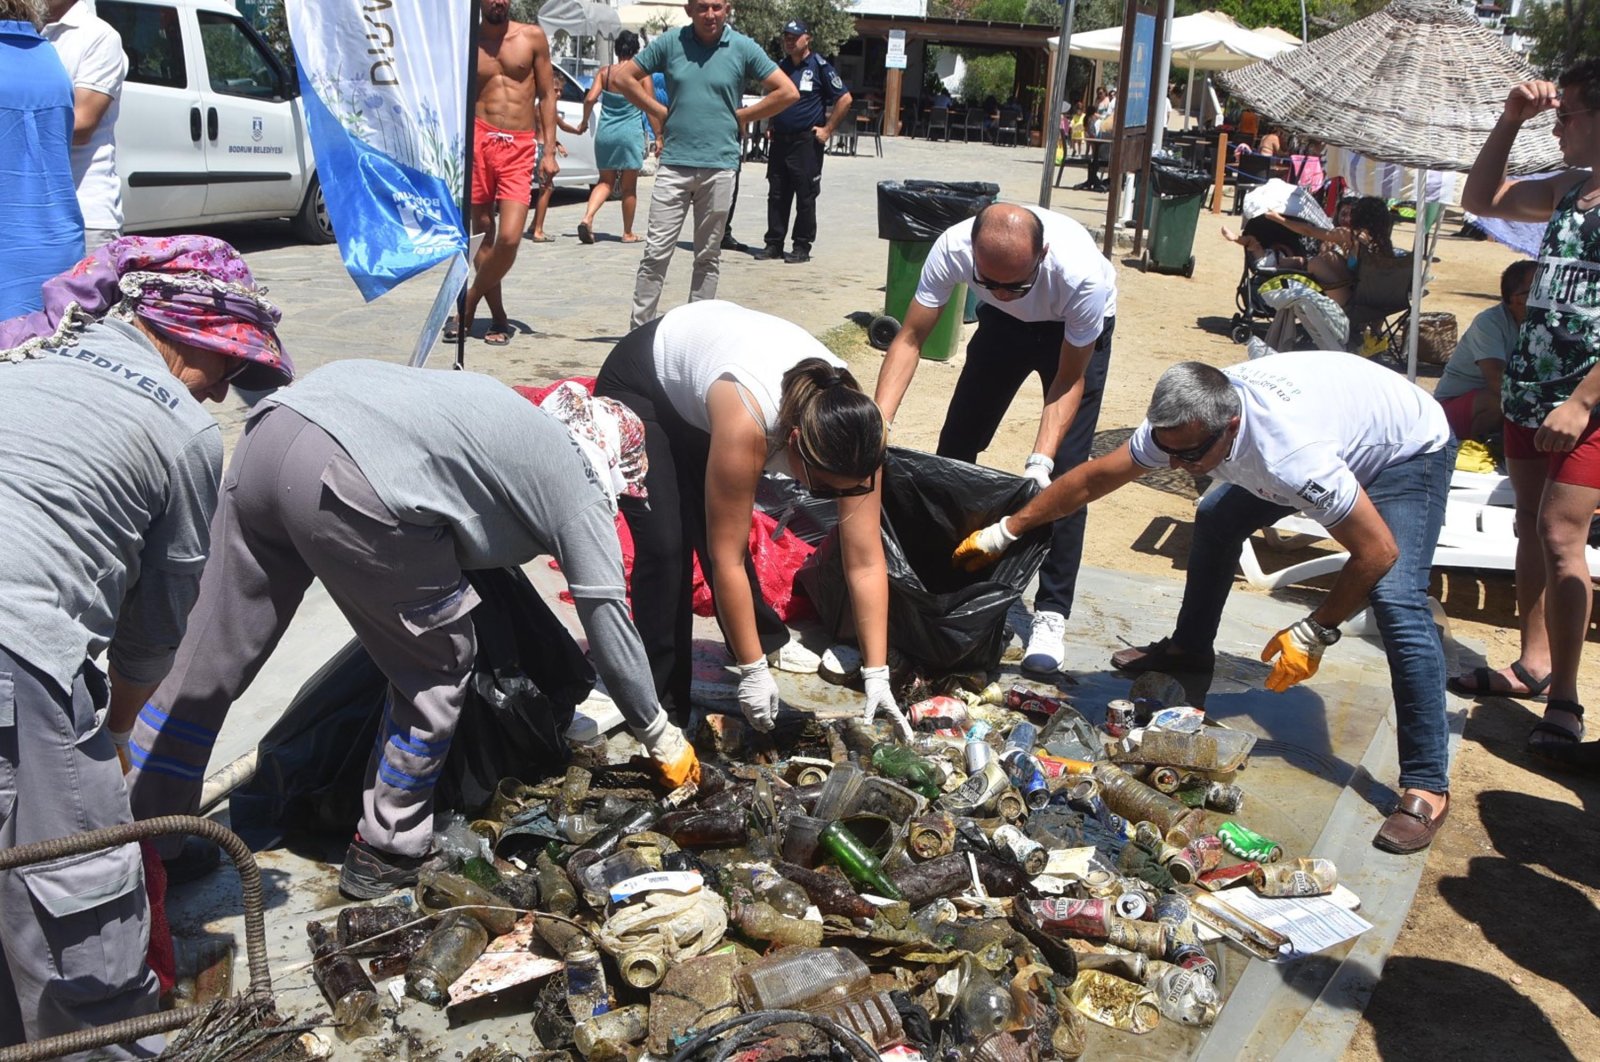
(881, 698)
(1038, 469)
(758, 694)
(983, 547)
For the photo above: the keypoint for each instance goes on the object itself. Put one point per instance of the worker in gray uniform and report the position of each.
(386, 483)
(108, 478)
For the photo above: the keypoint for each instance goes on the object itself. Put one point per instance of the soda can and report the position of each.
(1132, 905)
(1166, 779)
(1032, 702)
(1247, 844)
(931, 836)
(1119, 717)
(1303, 877)
(951, 709)
(1222, 877)
(1021, 849)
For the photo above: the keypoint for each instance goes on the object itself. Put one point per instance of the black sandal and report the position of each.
(1559, 736)
(1482, 684)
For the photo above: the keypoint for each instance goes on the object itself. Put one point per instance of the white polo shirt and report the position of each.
(1315, 427)
(1076, 284)
(91, 50)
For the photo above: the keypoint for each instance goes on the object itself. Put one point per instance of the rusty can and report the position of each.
(931, 836)
(1171, 909)
(1303, 877)
(1146, 938)
(1119, 717)
(1021, 849)
(1195, 858)
(1012, 807)
(1224, 797)
(1166, 779)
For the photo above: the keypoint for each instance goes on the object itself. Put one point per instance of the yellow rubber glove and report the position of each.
(1298, 651)
(675, 759)
(983, 547)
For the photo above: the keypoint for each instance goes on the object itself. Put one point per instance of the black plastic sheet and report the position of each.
(922, 210)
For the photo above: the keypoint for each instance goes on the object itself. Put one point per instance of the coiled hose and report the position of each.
(255, 929)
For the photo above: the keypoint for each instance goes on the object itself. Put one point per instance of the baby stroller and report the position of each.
(1253, 314)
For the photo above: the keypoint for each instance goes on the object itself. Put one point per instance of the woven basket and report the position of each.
(1436, 337)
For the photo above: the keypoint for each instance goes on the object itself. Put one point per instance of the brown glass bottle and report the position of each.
(831, 893)
(358, 925)
(694, 828)
(345, 985)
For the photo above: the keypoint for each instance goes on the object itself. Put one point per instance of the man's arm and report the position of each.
(1372, 553)
(544, 86)
(841, 106)
(88, 107)
(780, 94)
(1076, 488)
(900, 363)
(1487, 191)
(1062, 400)
(633, 82)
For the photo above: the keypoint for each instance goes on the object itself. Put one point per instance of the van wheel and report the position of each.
(312, 224)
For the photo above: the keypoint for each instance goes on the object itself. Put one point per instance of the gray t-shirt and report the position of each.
(1492, 336)
(108, 479)
(463, 450)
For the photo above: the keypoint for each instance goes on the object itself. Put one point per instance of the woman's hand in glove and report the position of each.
(758, 695)
(881, 698)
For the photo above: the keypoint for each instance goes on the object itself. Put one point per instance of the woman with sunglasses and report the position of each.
(727, 394)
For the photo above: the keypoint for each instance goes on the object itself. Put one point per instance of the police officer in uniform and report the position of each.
(799, 135)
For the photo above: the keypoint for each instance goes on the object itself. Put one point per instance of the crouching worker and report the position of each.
(385, 483)
(108, 478)
(726, 394)
(1349, 444)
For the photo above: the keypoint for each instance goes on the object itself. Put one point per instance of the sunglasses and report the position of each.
(824, 492)
(1018, 287)
(1562, 117)
(1192, 454)
(237, 370)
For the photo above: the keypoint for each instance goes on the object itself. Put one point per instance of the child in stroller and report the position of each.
(1271, 252)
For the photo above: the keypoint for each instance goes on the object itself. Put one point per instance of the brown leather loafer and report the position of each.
(1408, 827)
(1162, 656)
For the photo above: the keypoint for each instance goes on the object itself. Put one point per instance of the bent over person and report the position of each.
(108, 478)
(386, 482)
(1347, 443)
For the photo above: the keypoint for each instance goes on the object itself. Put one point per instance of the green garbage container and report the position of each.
(1172, 212)
(911, 215)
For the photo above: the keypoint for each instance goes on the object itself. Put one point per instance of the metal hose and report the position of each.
(255, 930)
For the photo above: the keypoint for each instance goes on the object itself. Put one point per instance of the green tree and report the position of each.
(1562, 33)
(762, 20)
(988, 75)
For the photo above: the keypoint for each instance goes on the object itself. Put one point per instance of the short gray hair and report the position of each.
(1191, 392)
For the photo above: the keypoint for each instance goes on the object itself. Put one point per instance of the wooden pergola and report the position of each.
(1028, 43)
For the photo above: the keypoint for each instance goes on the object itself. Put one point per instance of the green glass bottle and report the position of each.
(903, 764)
(854, 859)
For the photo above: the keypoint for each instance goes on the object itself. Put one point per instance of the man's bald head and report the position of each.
(1007, 241)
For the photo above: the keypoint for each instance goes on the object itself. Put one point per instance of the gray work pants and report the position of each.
(73, 931)
(677, 189)
(295, 507)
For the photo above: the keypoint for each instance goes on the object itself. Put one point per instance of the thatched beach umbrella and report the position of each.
(1418, 84)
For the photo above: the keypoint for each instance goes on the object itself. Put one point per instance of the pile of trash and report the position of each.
(982, 888)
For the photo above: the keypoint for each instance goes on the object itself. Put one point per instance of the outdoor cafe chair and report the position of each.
(870, 123)
(973, 127)
(1008, 127)
(938, 122)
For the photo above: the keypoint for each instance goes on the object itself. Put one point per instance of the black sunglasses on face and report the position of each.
(1017, 287)
(823, 491)
(237, 369)
(1191, 454)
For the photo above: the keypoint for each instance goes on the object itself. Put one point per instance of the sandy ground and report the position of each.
(1496, 959)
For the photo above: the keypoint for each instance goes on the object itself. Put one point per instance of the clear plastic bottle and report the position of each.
(763, 922)
(839, 792)
(793, 976)
(870, 1015)
(771, 887)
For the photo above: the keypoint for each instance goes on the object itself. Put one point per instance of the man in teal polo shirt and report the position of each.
(706, 65)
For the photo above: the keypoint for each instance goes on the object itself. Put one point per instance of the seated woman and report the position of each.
(1469, 389)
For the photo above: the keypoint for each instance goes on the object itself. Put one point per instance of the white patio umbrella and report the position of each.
(637, 16)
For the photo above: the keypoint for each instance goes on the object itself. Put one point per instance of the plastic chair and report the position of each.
(938, 122)
(871, 124)
(973, 124)
(849, 130)
(1008, 127)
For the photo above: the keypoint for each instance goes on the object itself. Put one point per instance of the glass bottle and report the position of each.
(556, 893)
(763, 922)
(855, 860)
(448, 952)
(440, 890)
(829, 892)
(346, 987)
(903, 764)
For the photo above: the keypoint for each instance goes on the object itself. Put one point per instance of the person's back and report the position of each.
(91, 51)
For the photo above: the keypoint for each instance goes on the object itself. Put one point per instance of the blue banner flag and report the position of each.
(384, 87)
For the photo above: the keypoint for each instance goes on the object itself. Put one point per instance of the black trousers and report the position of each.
(671, 524)
(794, 173)
(1003, 353)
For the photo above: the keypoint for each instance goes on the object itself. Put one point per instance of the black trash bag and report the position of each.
(527, 679)
(945, 619)
(1172, 180)
(922, 210)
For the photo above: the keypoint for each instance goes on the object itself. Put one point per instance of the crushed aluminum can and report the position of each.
(1032, 702)
(1021, 849)
(1247, 844)
(1303, 877)
(1195, 858)
(1222, 877)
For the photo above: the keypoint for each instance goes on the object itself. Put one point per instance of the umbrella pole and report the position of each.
(1188, 95)
(1419, 257)
(1058, 90)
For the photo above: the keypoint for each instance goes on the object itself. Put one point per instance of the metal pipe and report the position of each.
(1058, 90)
(255, 931)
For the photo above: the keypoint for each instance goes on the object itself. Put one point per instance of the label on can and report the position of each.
(1304, 877)
(940, 707)
(1077, 918)
(1031, 702)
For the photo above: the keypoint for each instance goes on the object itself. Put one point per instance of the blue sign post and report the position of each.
(1141, 65)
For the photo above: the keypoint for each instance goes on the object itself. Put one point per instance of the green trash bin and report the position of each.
(911, 215)
(1172, 212)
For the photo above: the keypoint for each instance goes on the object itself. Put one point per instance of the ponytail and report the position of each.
(841, 429)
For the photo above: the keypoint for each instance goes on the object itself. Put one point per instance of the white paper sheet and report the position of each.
(1312, 923)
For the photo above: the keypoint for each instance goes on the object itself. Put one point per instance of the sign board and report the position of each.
(1141, 65)
(895, 57)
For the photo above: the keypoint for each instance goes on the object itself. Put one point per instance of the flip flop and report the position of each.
(585, 234)
(541, 239)
(1558, 737)
(497, 337)
(1482, 683)
(452, 328)
(633, 239)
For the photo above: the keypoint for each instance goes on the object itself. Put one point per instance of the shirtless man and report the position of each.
(513, 72)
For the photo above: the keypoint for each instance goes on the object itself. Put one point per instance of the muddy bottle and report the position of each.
(587, 994)
(344, 985)
(830, 893)
(358, 926)
(694, 828)
(605, 1037)
(556, 893)
(983, 1007)
(441, 891)
(449, 950)
(999, 877)
(1137, 802)
(773, 888)
(903, 764)
(640, 817)
(574, 789)
(791, 976)
(931, 836)
(945, 875)
(855, 860)
(764, 922)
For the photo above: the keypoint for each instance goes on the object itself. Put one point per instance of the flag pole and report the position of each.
(466, 178)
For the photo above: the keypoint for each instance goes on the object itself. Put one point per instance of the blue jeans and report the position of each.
(1410, 497)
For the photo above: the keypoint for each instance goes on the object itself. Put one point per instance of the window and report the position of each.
(571, 91)
(152, 39)
(239, 64)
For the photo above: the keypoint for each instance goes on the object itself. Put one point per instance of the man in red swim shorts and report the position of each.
(513, 70)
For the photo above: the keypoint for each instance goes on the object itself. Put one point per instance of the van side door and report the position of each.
(253, 153)
(161, 127)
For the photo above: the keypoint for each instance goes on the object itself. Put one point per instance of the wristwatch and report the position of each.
(1325, 635)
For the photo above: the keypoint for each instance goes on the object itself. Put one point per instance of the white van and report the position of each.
(211, 128)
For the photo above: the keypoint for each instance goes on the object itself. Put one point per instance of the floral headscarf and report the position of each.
(610, 435)
(191, 289)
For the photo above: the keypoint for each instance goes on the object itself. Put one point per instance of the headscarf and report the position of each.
(190, 289)
(608, 433)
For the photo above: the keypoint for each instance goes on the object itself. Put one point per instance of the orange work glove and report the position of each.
(983, 547)
(675, 759)
(1298, 651)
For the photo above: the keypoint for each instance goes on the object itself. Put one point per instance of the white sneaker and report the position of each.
(1047, 645)
(794, 657)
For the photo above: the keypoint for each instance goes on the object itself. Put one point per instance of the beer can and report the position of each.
(1035, 791)
(1074, 918)
(1224, 797)
(1222, 877)
(1021, 849)
(978, 754)
(1119, 717)
(1171, 908)
(1012, 807)
(1195, 858)
(1192, 956)
(1303, 877)
(1132, 905)
(1146, 938)
(1031, 702)
(931, 836)
(1102, 884)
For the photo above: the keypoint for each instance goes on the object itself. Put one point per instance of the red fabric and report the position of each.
(1578, 467)
(159, 954)
(776, 563)
(538, 394)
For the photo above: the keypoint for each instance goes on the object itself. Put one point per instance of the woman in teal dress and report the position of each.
(618, 143)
